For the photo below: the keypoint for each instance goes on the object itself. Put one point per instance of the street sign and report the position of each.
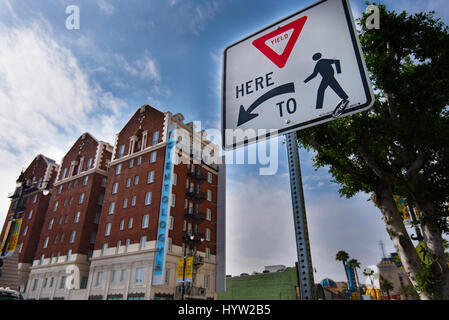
(301, 71)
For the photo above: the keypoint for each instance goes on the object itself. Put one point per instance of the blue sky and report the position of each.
(56, 84)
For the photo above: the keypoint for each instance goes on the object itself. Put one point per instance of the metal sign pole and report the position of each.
(306, 281)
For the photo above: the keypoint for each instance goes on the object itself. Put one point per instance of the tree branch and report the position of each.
(371, 162)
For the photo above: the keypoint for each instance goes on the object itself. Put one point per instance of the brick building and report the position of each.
(156, 211)
(32, 211)
(62, 258)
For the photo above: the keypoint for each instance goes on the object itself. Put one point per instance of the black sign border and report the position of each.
(305, 124)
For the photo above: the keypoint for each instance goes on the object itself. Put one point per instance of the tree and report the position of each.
(400, 146)
(343, 256)
(354, 264)
(386, 286)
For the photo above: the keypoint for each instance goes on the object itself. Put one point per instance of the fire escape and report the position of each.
(192, 238)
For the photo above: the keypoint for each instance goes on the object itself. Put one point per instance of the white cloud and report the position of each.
(46, 101)
(106, 8)
(148, 69)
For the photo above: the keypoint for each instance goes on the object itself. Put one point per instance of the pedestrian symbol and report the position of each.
(325, 69)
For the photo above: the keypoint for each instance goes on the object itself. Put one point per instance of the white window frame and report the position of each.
(145, 221)
(111, 207)
(153, 157)
(107, 230)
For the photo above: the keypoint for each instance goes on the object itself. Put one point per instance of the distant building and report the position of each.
(332, 290)
(391, 269)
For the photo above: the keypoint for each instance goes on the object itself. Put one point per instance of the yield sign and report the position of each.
(278, 44)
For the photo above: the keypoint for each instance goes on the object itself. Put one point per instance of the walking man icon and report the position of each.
(325, 69)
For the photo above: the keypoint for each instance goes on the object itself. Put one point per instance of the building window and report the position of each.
(127, 243)
(133, 201)
(46, 242)
(207, 234)
(150, 177)
(209, 195)
(121, 151)
(131, 163)
(111, 208)
(100, 199)
(55, 207)
(206, 281)
(35, 198)
(122, 224)
(167, 276)
(60, 189)
(207, 253)
(50, 226)
(208, 214)
(66, 219)
(171, 222)
(62, 283)
(143, 242)
(107, 231)
(89, 164)
(139, 160)
(83, 284)
(184, 226)
(77, 217)
(128, 182)
(20, 247)
(103, 182)
(81, 200)
(114, 188)
(122, 275)
(62, 238)
(130, 223)
(86, 178)
(145, 221)
(45, 283)
(30, 214)
(155, 137)
(209, 177)
(187, 183)
(72, 237)
(125, 203)
(148, 196)
(97, 218)
(173, 200)
(139, 275)
(114, 276)
(118, 169)
(51, 282)
(69, 253)
(104, 249)
(153, 156)
(169, 244)
(175, 179)
(136, 180)
(186, 204)
(56, 239)
(99, 279)
(93, 236)
(36, 281)
(64, 172)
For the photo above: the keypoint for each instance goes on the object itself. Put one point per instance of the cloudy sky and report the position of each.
(57, 83)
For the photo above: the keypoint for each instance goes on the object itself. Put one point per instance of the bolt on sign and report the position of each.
(303, 70)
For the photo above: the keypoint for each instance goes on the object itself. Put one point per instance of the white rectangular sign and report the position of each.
(301, 71)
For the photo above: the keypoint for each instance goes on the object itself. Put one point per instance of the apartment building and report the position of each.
(31, 204)
(62, 258)
(159, 206)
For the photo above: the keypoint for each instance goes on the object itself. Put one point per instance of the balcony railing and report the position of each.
(194, 236)
(197, 175)
(195, 194)
(195, 215)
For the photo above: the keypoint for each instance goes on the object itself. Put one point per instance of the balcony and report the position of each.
(195, 194)
(195, 215)
(197, 175)
(196, 237)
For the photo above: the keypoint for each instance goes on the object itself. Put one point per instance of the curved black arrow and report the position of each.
(246, 115)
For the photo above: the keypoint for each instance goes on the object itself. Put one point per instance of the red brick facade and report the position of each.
(35, 206)
(76, 200)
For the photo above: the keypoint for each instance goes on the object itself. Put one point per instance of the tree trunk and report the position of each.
(346, 273)
(434, 243)
(398, 234)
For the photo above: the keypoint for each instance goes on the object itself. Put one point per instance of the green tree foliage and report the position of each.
(400, 146)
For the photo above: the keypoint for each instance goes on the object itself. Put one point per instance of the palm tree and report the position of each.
(343, 256)
(386, 286)
(354, 264)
